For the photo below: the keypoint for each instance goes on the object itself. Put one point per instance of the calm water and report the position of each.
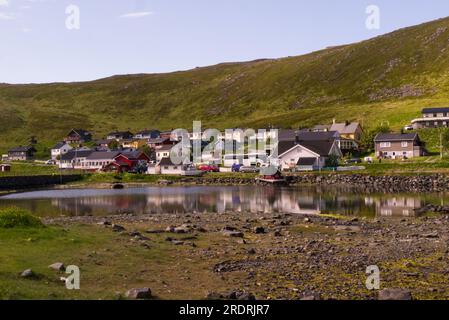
(296, 200)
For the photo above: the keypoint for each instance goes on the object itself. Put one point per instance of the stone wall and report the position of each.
(26, 182)
(419, 183)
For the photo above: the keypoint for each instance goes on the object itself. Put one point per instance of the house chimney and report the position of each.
(334, 121)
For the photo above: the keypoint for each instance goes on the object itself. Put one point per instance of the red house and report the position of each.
(127, 161)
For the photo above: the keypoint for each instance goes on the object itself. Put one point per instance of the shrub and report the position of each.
(18, 218)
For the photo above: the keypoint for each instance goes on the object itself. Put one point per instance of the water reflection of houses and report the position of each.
(396, 206)
(238, 199)
(99, 205)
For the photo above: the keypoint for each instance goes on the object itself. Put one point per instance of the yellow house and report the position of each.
(133, 143)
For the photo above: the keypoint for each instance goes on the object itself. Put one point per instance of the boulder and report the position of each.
(28, 273)
(141, 294)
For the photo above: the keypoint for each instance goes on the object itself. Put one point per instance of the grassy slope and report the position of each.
(389, 78)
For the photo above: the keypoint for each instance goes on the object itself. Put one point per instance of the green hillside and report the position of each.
(388, 78)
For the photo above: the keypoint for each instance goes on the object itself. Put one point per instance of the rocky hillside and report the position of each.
(388, 78)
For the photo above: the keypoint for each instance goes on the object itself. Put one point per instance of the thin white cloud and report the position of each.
(133, 15)
(4, 3)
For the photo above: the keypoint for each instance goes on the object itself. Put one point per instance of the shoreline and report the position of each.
(369, 183)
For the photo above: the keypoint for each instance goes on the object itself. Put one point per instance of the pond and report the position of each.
(217, 199)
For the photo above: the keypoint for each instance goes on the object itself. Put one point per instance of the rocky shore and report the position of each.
(418, 183)
(281, 256)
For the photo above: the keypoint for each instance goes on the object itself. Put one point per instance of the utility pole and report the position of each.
(441, 145)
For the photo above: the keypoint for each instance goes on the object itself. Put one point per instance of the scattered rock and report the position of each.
(395, 294)
(117, 228)
(259, 230)
(58, 266)
(141, 294)
(28, 273)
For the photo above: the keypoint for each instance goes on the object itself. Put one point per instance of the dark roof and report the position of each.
(306, 161)
(322, 147)
(435, 110)
(23, 149)
(317, 136)
(59, 145)
(287, 135)
(133, 154)
(76, 153)
(158, 140)
(284, 146)
(100, 155)
(81, 132)
(381, 137)
(166, 162)
(165, 148)
(145, 132)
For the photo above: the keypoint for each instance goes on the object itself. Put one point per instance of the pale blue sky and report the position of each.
(170, 35)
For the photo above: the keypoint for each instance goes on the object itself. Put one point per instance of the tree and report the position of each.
(113, 145)
(367, 142)
(332, 161)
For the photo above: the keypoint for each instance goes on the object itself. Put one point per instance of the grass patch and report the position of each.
(18, 218)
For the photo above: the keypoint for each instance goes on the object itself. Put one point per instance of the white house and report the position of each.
(163, 152)
(306, 155)
(74, 159)
(166, 166)
(58, 150)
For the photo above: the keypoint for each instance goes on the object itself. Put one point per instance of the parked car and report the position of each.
(208, 168)
(236, 167)
(50, 162)
(408, 128)
(249, 169)
(353, 161)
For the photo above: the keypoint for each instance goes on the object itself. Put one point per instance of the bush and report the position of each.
(18, 218)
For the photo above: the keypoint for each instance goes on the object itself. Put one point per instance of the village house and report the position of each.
(97, 160)
(306, 155)
(398, 146)
(350, 135)
(119, 135)
(59, 149)
(168, 167)
(133, 143)
(78, 136)
(432, 118)
(163, 152)
(147, 134)
(74, 159)
(21, 153)
(103, 145)
(158, 143)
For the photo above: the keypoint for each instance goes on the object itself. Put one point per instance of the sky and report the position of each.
(41, 40)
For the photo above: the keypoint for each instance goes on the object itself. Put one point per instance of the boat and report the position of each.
(276, 178)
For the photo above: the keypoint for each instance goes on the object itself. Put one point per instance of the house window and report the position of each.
(385, 145)
(404, 144)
